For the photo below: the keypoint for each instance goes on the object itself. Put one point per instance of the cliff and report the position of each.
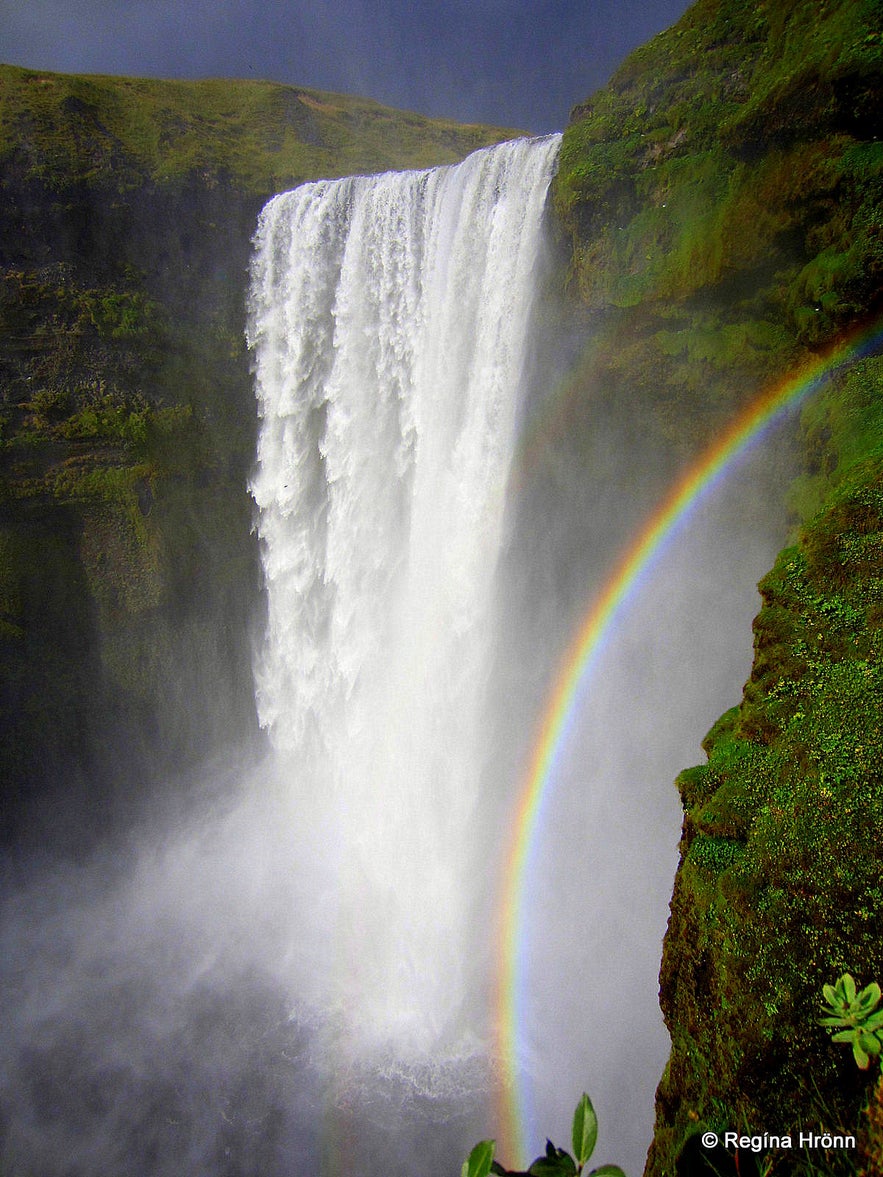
(722, 202)
(128, 577)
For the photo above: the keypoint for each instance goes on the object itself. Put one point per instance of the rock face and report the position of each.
(128, 576)
(722, 198)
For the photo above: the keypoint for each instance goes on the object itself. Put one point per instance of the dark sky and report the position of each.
(516, 64)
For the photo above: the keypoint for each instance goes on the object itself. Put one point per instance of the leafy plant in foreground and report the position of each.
(860, 1022)
(556, 1162)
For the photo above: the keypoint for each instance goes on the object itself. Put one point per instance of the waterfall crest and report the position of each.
(388, 320)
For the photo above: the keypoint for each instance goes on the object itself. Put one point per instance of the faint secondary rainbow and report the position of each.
(563, 705)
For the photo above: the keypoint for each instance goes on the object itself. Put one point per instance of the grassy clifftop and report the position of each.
(722, 201)
(121, 132)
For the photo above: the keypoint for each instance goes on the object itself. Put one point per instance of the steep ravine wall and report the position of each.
(723, 200)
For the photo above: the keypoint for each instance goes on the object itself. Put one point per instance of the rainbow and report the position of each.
(570, 688)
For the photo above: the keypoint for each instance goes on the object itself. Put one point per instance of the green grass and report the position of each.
(68, 129)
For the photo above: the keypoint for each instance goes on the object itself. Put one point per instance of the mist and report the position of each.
(217, 990)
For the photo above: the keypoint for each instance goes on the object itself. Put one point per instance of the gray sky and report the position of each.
(496, 61)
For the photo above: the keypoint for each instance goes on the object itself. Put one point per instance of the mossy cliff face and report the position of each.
(128, 576)
(722, 199)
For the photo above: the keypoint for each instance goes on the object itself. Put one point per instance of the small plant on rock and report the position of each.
(556, 1162)
(855, 1017)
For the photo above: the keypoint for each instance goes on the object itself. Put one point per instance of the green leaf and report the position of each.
(830, 995)
(585, 1130)
(833, 1021)
(480, 1160)
(869, 996)
(843, 1036)
(497, 1168)
(607, 1171)
(848, 987)
(860, 1056)
(874, 1022)
(869, 1042)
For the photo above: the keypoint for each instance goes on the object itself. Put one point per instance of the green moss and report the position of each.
(715, 854)
(843, 435)
(722, 198)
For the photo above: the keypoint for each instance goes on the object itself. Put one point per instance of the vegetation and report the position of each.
(556, 1162)
(65, 130)
(721, 198)
(855, 1017)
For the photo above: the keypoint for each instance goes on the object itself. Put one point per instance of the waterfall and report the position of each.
(388, 321)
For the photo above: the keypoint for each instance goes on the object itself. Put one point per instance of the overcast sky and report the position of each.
(518, 64)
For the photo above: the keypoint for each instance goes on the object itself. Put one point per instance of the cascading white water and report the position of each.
(388, 321)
